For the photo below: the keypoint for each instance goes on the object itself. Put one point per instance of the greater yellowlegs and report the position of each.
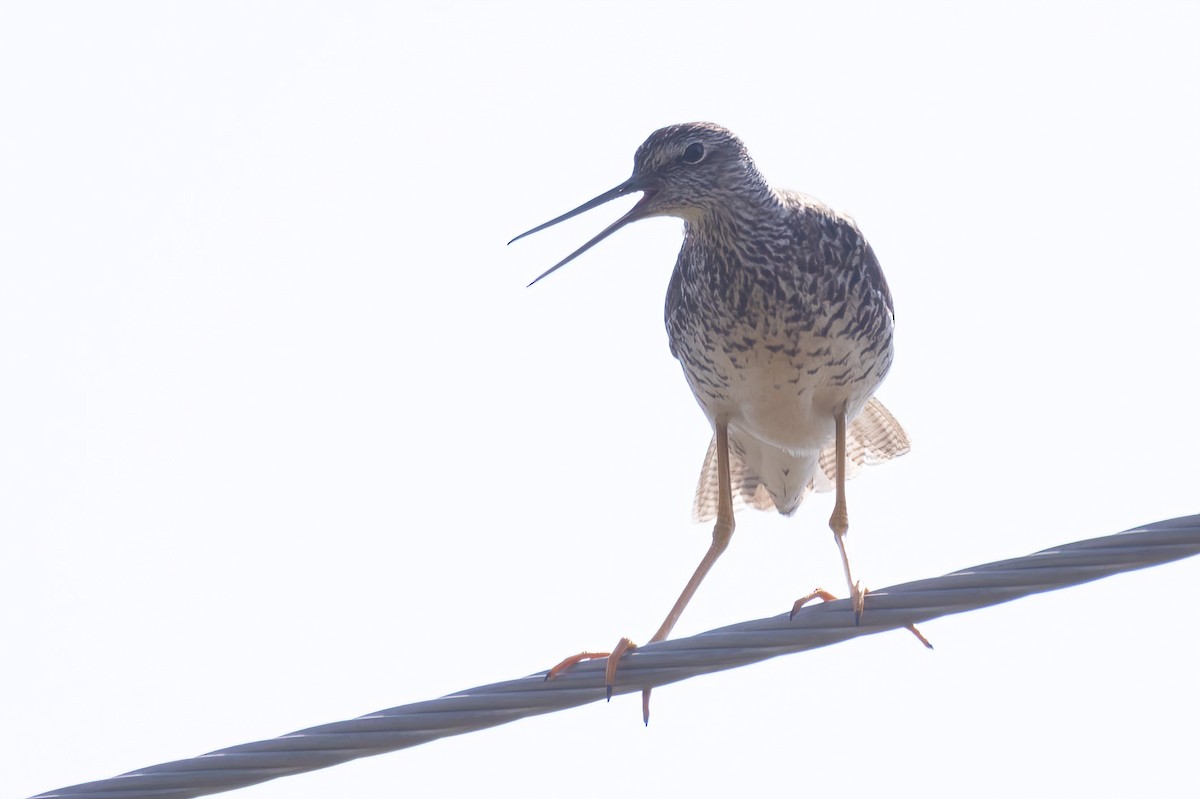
(782, 321)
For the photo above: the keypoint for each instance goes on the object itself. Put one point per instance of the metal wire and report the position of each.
(650, 666)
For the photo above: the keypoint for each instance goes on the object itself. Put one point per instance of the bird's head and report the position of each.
(685, 171)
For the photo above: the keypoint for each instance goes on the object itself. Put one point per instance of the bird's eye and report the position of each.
(694, 153)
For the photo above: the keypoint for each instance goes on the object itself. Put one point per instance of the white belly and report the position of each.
(781, 404)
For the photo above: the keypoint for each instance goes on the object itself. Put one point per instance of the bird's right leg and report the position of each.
(722, 533)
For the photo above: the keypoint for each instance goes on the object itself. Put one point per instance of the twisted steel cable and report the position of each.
(651, 666)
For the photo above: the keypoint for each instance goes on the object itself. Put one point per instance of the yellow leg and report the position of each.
(722, 533)
(839, 522)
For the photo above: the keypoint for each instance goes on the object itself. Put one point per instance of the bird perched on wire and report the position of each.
(782, 321)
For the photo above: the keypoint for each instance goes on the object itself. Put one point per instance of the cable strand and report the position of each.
(650, 666)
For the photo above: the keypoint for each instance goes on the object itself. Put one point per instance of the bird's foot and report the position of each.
(825, 596)
(858, 598)
(816, 593)
(858, 601)
(568, 662)
(610, 670)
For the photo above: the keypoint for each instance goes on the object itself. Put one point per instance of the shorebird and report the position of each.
(782, 321)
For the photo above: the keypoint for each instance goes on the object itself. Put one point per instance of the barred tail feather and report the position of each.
(872, 437)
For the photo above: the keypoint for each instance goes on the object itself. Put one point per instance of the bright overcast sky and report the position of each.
(284, 439)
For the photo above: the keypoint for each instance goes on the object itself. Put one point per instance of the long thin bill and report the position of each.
(634, 213)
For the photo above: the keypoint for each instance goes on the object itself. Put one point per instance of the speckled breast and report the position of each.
(775, 339)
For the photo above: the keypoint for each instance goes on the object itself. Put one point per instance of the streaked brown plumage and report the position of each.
(782, 320)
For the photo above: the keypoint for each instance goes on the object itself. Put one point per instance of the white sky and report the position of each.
(284, 439)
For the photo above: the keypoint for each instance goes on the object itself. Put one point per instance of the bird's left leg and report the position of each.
(839, 522)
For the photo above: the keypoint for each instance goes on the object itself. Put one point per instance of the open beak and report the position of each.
(635, 183)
